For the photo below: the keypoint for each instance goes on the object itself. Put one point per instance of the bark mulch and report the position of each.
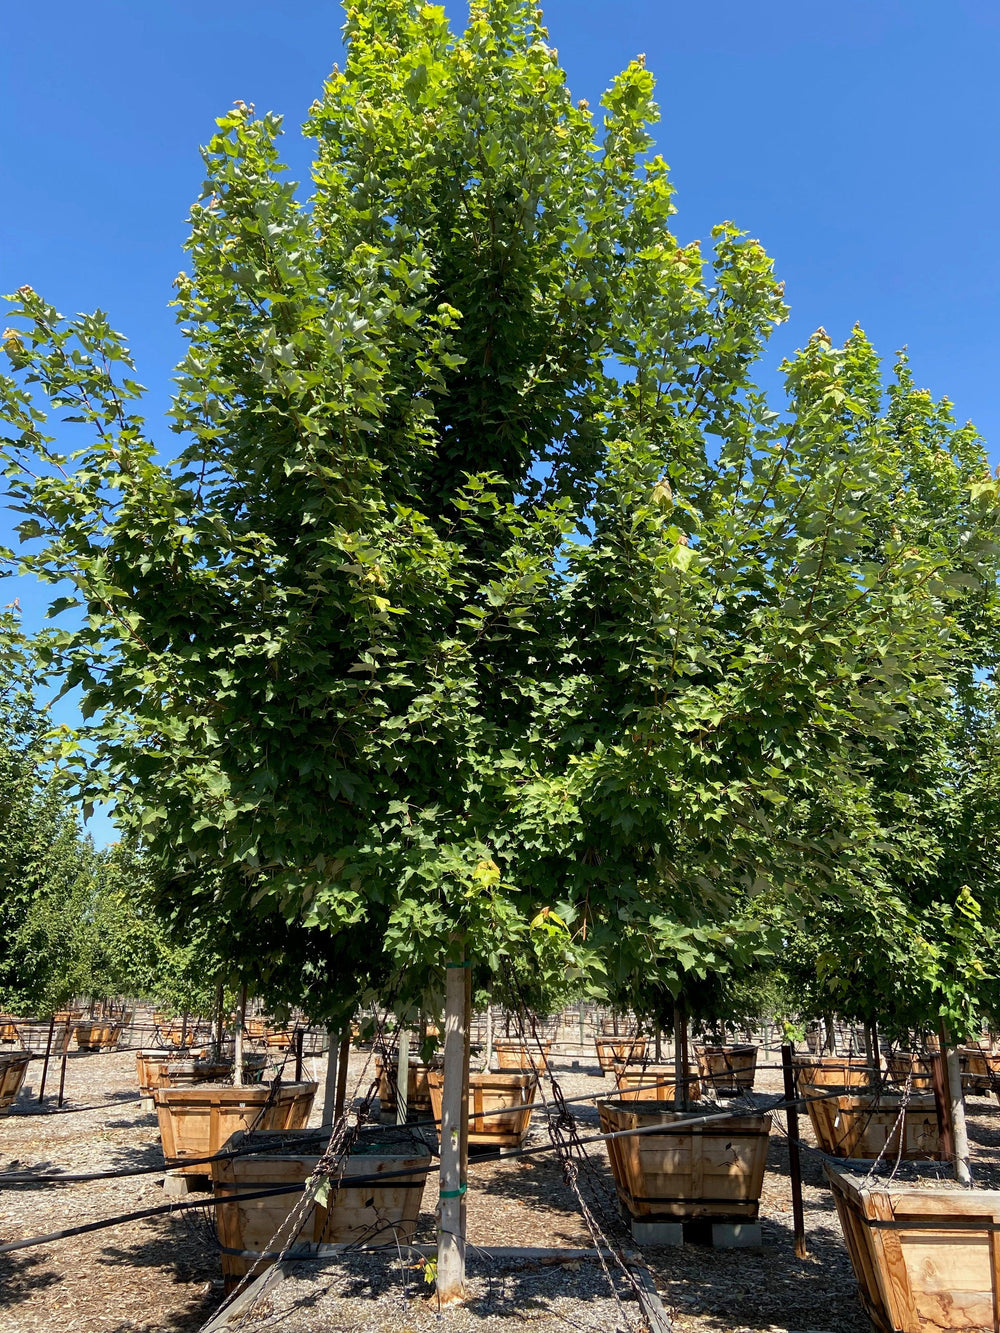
(164, 1274)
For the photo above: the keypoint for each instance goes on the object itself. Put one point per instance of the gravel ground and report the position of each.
(370, 1296)
(163, 1273)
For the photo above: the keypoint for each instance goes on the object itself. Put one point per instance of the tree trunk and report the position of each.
(831, 1035)
(952, 1069)
(342, 1062)
(241, 1018)
(454, 1133)
(872, 1053)
(330, 1081)
(488, 1057)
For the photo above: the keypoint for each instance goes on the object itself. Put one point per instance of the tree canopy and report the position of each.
(487, 593)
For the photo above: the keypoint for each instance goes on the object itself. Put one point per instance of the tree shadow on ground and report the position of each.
(519, 1290)
(539, 1180)
(21, 1276)
(184, 1245)
(125, 1156)
(761, 1289)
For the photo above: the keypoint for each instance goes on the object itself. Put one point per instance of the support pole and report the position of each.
(62, 1073)
(680, 1056)
(219, 1020)
(794, 1161)
(454, 1133)
(330, 1081)
(342, 1062)
(241, 1018)
(402, 1074)
(299, 1039)
(45, 1063)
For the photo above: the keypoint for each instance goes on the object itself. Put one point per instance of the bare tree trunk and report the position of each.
(454, 1133)
(830, 1045)
(330, 1081)
(952, 1069)
(241, 1016)
(342, 1062)
(488, 1056)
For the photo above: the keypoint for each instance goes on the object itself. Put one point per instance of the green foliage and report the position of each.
(436, 622)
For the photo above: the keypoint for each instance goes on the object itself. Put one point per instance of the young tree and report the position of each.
(485, 580)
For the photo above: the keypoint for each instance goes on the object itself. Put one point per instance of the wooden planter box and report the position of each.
(175, 1071)
(866, 1127)
(610, 1049)
(364, 1214)
(99, 1034)
(980, 1070)
(34, 1035)
(516, 1056)
(915, 1065)
(152, 1066)
(315, 1041)
(187, 1073)
(832, 1071)
(653, 1083)
(13, 1067)
(925, 1259)
(713, 1170)
(175, 1035)
(8, 1030)
(727, 1071)
(418, 1095)
(511, 1095)
(196, 1122)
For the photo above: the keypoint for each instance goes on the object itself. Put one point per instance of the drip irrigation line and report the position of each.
(59, 1178)
(430, 1169)
(74, 1110)
(137, 1216)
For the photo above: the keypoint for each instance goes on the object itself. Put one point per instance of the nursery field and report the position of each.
(163, 1272)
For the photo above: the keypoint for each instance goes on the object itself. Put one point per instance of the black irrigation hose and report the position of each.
(74, 1110)
(61, 1178)
(432, 1168)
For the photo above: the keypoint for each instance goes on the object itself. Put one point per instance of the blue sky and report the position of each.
(859, 142)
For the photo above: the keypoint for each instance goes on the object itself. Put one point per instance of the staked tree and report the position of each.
(488, 605)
